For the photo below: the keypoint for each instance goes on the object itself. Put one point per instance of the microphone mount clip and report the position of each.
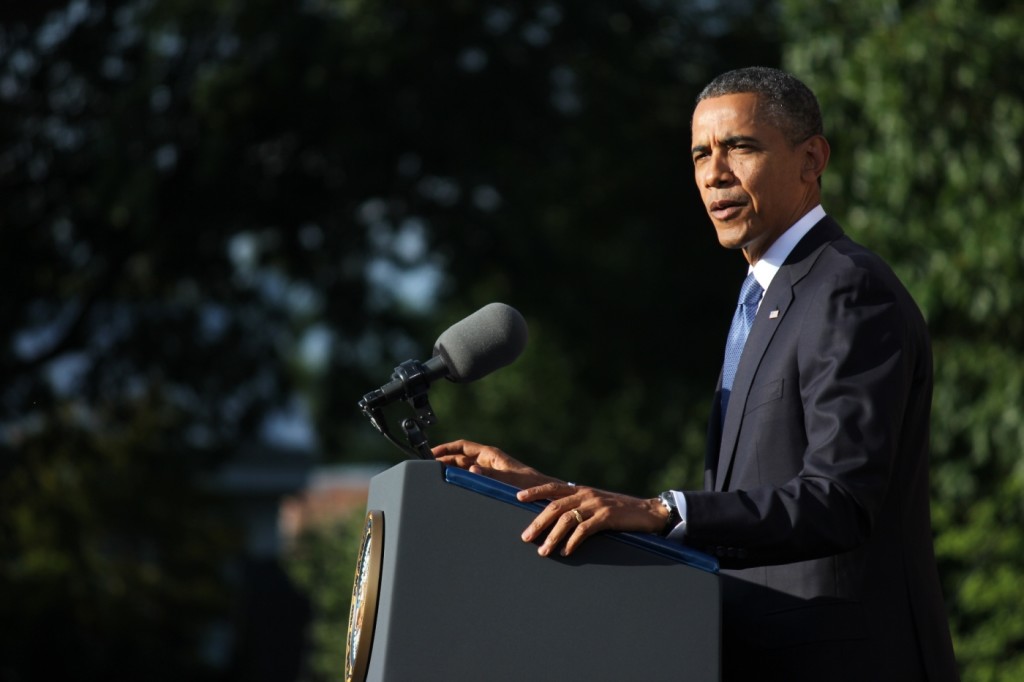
(415, 380)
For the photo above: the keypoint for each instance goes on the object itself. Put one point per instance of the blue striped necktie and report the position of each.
(746, 309)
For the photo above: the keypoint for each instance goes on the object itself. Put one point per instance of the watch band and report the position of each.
(669, 501)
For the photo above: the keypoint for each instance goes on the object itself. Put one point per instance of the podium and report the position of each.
(445, 589)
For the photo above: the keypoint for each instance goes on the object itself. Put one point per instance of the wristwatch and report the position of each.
(669, 500)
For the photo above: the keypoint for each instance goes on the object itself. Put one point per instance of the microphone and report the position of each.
(472, 348)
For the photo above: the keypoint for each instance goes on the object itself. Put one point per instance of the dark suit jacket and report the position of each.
(816, 486)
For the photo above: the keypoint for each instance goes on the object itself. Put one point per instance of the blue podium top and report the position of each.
(651, 543)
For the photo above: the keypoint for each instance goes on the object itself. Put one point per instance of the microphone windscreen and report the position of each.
(487, 340)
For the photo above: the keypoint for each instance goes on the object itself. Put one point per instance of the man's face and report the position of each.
(754, 183)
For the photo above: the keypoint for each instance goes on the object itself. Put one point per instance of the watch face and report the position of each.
(365, 588)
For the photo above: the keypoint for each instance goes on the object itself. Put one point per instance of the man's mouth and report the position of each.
(725, 209)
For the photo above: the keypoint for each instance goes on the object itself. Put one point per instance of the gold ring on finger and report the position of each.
(576, 515)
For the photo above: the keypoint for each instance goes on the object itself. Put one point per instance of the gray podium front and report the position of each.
(450, 592)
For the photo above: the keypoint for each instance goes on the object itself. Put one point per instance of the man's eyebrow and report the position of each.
(739, 139)
(726, 142)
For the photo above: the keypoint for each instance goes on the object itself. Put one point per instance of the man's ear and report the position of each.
(816, 155)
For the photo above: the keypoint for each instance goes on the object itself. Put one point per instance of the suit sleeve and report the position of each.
(826, 455)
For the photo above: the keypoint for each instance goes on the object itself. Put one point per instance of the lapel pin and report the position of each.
(773, 314)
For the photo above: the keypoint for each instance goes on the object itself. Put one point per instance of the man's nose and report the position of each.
(717, 172)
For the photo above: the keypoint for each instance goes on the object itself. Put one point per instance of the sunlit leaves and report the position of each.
(925, 108)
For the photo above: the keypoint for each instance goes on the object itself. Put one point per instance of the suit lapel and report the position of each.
(770, 315)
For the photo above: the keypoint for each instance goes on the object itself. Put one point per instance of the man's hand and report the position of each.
(491, 462)
(575, 512)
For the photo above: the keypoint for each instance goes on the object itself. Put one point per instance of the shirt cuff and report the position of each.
(679, 531)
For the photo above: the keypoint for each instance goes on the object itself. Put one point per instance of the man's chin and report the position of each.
(730, 235)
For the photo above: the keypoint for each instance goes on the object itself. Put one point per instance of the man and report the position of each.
(815, 496)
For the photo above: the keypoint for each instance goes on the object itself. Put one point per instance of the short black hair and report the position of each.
(789, 104)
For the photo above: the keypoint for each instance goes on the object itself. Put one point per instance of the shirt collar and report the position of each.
(764, 270)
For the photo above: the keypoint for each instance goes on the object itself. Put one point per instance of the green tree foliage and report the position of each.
(926, 111)
(142, 342)
(323, 563)
(108, 569)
